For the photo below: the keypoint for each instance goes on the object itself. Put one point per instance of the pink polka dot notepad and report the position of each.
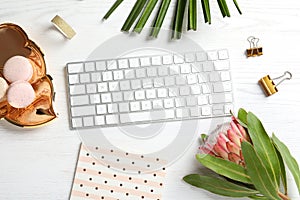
(94, 180)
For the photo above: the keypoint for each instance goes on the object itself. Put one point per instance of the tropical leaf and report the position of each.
(289, 159)
(112, 9)
(258, 172)
(160, 17)
(242, 117)
(178, 22)
(282, 169)
(237, 6)
(259, 197)
(219, 186)
(206, 11)
(145, 15)
(264, 147)
(224, 167)
(136, 10)
(192, 22)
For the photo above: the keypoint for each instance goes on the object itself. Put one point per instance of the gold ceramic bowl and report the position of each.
(14, 41)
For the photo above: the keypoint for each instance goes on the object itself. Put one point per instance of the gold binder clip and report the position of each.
(268, 85)
(254, 49)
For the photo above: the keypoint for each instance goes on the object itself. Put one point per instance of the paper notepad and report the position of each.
(93, 180)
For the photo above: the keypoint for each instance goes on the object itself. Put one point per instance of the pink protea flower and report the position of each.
(225, 142)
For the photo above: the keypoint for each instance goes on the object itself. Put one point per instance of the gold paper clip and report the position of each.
(254, 49)
(268, 85)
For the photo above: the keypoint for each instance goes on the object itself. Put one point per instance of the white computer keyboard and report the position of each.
(148, 89)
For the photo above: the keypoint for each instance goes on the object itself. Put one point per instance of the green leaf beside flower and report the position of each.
(219, 186)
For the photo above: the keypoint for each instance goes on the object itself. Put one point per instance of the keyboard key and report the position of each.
(83, 111)
(163, 114)
(99, 120)
(112, 108)
(221, 65)
(124, 107)
(218, 109)
(102, 87)
(125, 85)
(158, 82)
(195, 89)
(106, 98)
(147, 83)
(174, 69)
(145, 61)
(88, 121)
(129, 74)
(112, 119)
(214, 77)
(135, 117)
(182, 113)
(135, 106)
(208, 66)
(151, 94)
(113, 86)
(146, 105)
(206, 111)
(222, 87)
(134, 62)
(192, 79)
(173, 92)
(185, 69)
(100, 65)
(202, 100)
(168, 103)
(169, 81)
(140, 73)
(223, 54)
(180, 80)
(73, 79)
(91, 88)
(178, 59)
(118, 75)
(77, 89)
(167, 59)
(139, 95)
(221, 98)
(112, 64)
(156, 60)
(189, 57)
(184, 90)
(96, 77)
(117, 96)
(201, 56)
(206, 89)
(136, 84)
(107, 76)
(85, 78)
(225, 76)
(101, 109)
(162, 92)
(163, 71)
(212, 55)
(157, 104)
(195, 111)
(75, 68)
(89, 66)
(180, 102)
(128, 96)
(79, 100)
(123, 64)
(77, 122)
(152, 72)
(191, 101)
(94, 98)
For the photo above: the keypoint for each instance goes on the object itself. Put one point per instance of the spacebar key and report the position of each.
(146, 116)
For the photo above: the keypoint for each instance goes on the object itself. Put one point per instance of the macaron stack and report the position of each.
(17, 71)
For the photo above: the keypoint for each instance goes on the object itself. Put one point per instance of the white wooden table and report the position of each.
(39, 163)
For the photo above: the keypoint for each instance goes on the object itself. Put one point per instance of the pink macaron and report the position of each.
(17, 68)
(20, 94)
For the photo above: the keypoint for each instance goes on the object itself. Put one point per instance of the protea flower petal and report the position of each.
(222, 140)
(219, 150)
(234, 158)
(235, 128)
(233, 148)
(243, 132)
(233, 137)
